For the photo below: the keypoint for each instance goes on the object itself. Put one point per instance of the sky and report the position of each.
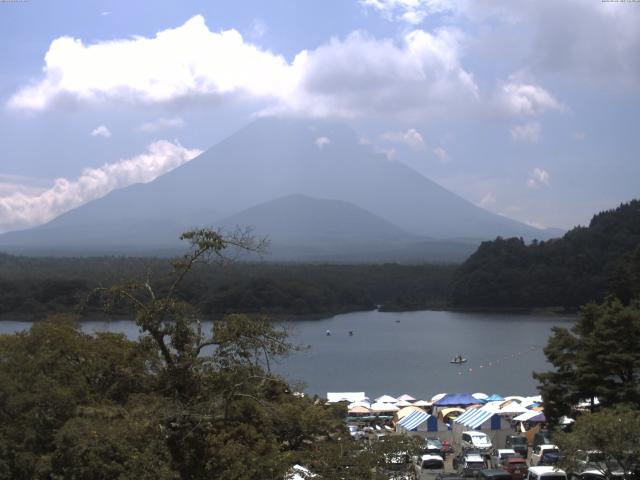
(526, 108)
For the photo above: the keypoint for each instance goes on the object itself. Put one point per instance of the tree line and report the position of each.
(583, 266)
(32, 287)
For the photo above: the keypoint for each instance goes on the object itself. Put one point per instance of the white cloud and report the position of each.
(529, 132)
(353, 76)
(441, 154)
(390, 153)
(187, 61)
(321, 142)
(526, 99)
(21, 208)
(162, 124)
(360, 75)
(539, 177)
(101, 131)
(579, 136)
(409, 11)
(411, 137)
(488, 200)
(534, 224)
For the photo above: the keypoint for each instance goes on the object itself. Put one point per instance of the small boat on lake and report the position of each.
(328, 333)
(458, 359)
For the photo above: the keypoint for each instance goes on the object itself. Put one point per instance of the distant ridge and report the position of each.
(273, 159)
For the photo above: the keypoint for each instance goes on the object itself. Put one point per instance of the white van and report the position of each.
(546, 473)
(473, 440)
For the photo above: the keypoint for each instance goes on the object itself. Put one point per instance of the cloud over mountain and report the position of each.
(25, 207)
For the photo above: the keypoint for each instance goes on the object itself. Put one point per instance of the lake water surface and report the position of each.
(409, 352)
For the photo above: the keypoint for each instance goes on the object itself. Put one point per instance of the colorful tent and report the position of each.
(386, 399)
(403, 412)
(456, 399)
(407, 398)
(413, 420)
(494, 398)
(383, 407)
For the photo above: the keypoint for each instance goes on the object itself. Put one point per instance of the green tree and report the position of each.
(598, 357)
(615, 432)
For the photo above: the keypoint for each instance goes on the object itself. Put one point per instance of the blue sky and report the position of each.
(529, 108)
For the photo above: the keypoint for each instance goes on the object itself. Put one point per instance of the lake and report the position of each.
(408, 352)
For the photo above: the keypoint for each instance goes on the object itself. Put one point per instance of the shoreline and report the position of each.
(292, 317)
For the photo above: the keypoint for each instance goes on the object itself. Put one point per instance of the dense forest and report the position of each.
(35, 287)
(583, 266)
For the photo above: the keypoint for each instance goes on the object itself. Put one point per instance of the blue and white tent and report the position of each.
(481, 418)
(420, 422)
(413, 420)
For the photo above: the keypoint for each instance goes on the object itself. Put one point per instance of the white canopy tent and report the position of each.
(380, 407)
(386, 399)
(351, 397)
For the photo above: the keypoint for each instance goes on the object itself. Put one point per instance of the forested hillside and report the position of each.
(583, 266)
(35, 287)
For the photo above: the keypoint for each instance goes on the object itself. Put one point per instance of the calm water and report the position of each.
(409, 352)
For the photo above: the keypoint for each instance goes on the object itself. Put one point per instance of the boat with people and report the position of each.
(458, 359)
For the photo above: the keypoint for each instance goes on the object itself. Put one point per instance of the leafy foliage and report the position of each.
(179, 403)
(613, 432)
(582, 267)
(37, 287)
(598, 357)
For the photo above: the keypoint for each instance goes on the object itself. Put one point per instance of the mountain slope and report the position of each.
(268, 159)
(299, 218)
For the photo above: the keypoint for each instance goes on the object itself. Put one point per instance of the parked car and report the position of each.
(516, 466)
(499, 455)
(433, 446)
(550, 457)
(355, 433)
(494, 474)
(541, 438)
(517, 443)
(592, 465)
(398, 466)
(539, 451)
(428, 466)
(546, 473)
(468, 464)
(473, 440)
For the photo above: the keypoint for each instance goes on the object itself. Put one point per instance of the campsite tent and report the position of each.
(379, 407)
(493, 398)
(386, 399)
(456, 400)
(403, 412)
(420, 423)
(484, 419)
(407, 398)
(445, 414)
(335, 397)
